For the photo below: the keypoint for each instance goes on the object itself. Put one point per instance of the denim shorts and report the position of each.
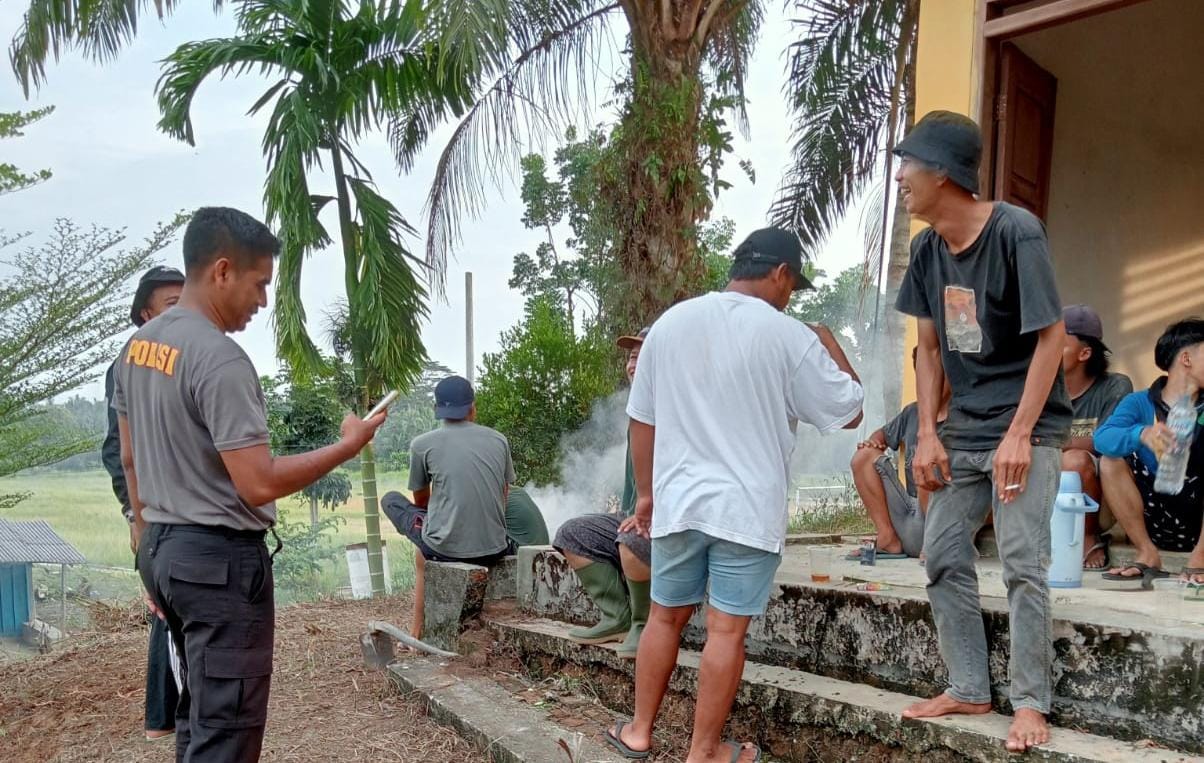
(741, 577)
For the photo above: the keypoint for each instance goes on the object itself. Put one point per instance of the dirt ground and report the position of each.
(83, 701)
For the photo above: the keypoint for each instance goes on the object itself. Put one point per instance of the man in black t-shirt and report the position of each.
(981, 285)
(1094, 393)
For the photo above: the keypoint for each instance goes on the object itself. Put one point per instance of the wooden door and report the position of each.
(1024, 142)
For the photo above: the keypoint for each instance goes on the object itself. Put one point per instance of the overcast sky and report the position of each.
(112, 167)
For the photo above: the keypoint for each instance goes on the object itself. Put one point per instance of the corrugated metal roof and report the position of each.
(35, 541)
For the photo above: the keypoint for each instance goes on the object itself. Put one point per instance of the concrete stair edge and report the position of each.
(853, 708)
(487, 715)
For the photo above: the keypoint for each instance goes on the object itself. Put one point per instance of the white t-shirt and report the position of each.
(725, 379)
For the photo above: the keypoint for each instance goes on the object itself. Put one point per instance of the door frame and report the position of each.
(998, 21)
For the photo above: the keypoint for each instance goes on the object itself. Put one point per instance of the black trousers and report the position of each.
(215, 588)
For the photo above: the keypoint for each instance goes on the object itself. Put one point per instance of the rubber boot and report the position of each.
(604, 585)
(640, 599)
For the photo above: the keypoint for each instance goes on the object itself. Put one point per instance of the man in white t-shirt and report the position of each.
(723, 381)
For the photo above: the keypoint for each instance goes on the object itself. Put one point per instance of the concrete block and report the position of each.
(549, 587)
(503, 582)
(484, 713)
(455, 594)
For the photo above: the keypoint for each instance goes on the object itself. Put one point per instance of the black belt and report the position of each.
(229, 533)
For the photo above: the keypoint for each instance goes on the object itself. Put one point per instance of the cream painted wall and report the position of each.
(1126, 217)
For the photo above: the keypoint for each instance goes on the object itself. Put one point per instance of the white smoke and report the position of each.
(593, 466)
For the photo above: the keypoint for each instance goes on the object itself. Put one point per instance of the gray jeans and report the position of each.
(955, 513)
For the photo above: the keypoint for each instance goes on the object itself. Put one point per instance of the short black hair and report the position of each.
(1186, 333)
(743, 269)
(222, 230)
(1100, 360)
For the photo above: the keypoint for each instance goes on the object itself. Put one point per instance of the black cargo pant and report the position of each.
(215, 588)
(162, 689)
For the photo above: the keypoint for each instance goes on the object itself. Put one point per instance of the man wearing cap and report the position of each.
(1094, 392)
(460, 475)
(613, 566)
(981, 286)
(203, 483)
(158, 289)
(722, 383)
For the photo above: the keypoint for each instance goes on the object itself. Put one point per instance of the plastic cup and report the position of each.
(821, 564)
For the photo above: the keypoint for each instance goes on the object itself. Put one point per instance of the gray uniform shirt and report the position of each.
(189, 392)
(467, 467)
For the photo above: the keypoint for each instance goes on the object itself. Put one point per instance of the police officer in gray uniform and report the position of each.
(203, 484)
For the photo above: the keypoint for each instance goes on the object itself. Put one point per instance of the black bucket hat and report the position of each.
(152, 279)
(949, 141)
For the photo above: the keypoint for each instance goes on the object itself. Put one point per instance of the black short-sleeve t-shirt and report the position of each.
(988, 303)
(1096, 404)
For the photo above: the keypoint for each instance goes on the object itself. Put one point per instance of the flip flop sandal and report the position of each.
(1188, 573)
(738, 749)
(614, 738)
(1103, 542)
(1146, 578)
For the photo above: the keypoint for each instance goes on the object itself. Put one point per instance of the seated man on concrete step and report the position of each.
(896, 511)
(1094, 393)
(614, 567)
(525, 525)
(1132, 441)
(460, 476)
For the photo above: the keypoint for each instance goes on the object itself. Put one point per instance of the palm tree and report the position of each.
(338, 73)
(852, 88)
(683, 66)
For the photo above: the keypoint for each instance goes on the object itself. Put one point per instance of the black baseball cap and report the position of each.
(949, 141)
(1082, 321)
(152, 279)
(632, 341)
(453, 398)
(775, 246)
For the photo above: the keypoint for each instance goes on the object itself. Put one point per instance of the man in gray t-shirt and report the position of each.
(460, 475)
(202, 483)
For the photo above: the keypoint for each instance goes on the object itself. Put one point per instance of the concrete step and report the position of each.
(487, 715)
(1128, 665)
(776, 700)
(1120, 552)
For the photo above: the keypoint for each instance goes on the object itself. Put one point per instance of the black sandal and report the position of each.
(614, 738)
(1146, 578)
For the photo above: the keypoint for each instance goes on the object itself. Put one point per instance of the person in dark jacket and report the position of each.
(158, 289)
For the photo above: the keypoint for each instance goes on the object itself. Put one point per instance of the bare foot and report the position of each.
(1194, 562)
(1029, 729)
(943, 704)
(1095, 559)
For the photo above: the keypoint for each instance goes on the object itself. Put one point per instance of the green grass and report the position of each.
(81, 508)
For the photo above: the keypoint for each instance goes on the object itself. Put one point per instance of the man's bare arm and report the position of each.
(1047, 359)
(642, 438)
(828, 340)
(930, 375)
(131, 477)
(261, 477)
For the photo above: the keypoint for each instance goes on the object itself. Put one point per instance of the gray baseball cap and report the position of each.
(1082, 321)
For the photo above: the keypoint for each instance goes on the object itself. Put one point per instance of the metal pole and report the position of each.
(469, 359)
(63, 598)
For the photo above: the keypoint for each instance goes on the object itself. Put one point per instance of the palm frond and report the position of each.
(192, 63)
(537, 95)
(841, 78)
(389, 304)
(101, 28)
(732, 38)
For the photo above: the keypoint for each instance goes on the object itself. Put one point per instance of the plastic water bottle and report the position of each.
(1172, 467)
